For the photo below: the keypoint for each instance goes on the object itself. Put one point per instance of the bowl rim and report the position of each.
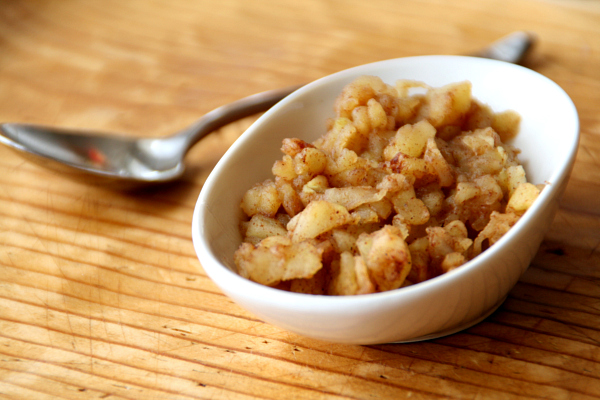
(219, 273)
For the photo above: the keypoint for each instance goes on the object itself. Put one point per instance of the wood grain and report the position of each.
(101, 294)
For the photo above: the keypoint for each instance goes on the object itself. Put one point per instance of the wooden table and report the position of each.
(101, 294)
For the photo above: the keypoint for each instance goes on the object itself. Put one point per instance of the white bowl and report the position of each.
(446, 304)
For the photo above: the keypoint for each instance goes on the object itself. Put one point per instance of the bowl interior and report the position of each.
(547, 138)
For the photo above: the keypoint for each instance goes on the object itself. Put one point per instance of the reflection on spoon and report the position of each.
(127, 162)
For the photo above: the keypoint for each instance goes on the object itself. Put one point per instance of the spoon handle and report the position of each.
(232, 112)
(511, 48)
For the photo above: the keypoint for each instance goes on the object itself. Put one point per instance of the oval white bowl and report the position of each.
(548, 139)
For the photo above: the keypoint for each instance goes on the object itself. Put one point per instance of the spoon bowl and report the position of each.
(448, 303)
(126, 161)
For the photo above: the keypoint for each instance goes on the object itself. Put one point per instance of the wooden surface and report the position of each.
(101, 295)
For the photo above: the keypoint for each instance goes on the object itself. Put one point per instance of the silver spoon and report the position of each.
(127, 162)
